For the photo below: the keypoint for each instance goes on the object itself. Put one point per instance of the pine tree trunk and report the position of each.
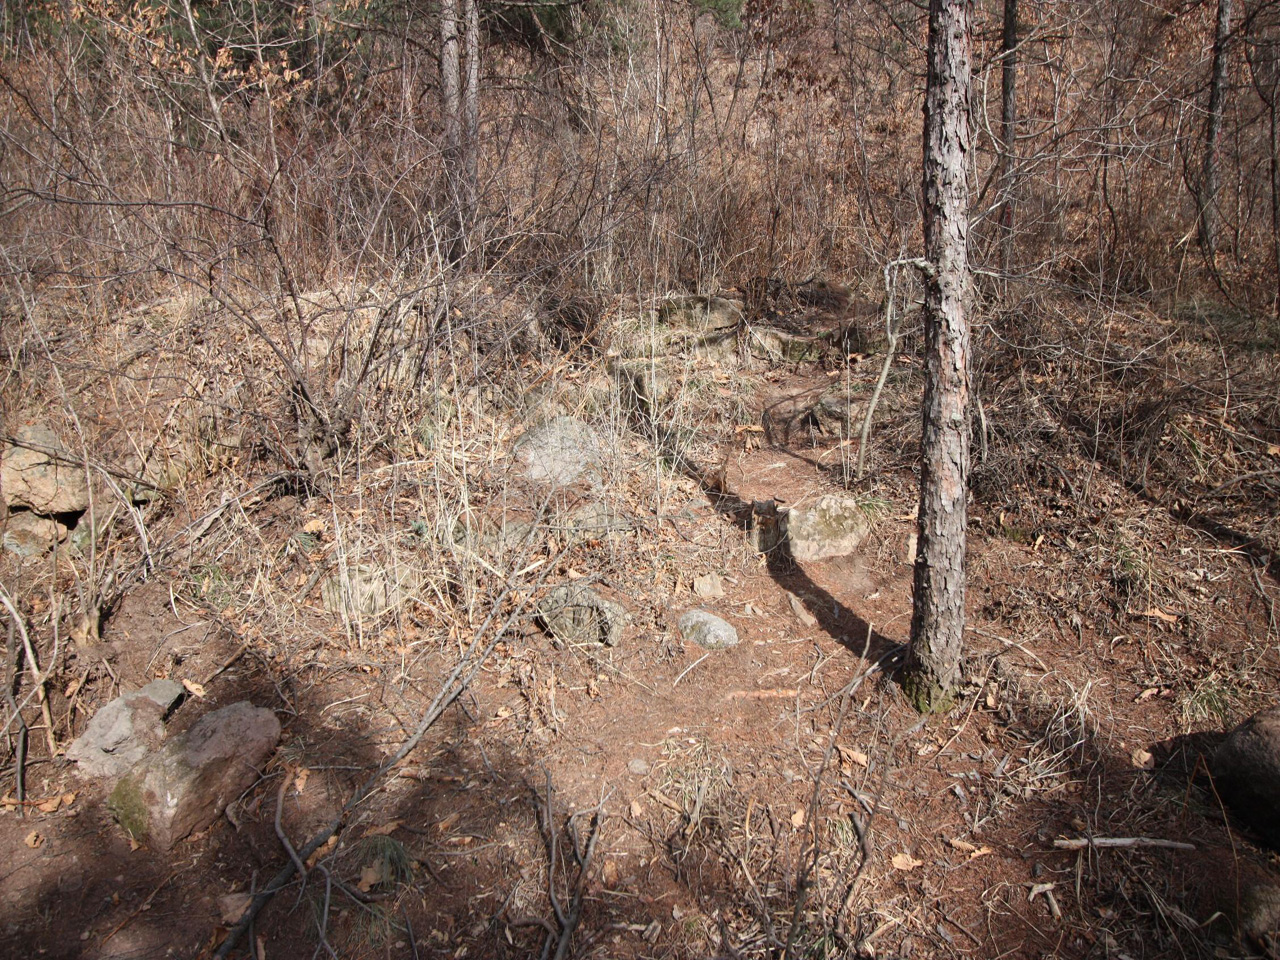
(937, 623)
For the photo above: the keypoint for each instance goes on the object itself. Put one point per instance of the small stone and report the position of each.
(29, 535)
(125, 730)
(639, 767)
(832, 527)
(708, 586)
(707, 630)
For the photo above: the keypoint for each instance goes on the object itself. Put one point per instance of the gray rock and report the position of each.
(183, 786)
(1259, 911)
(639, 767)
(596, 520)
(32, 478)
(559, 451)
(573, 613)
(707, 630)
(832, 527)
(125, 730)
(700, 313)
(29, 535)
(1246, 773)
(365, 590)
(768, 343)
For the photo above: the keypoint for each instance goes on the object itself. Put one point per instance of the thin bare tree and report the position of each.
(937, 622)
(1210, 180)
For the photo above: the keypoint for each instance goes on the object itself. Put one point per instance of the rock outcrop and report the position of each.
(183, 786)
(38, 473)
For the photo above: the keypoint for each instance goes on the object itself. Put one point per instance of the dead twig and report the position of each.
(561, 934)
(145, 904)
(1111, 843)
(20, 748)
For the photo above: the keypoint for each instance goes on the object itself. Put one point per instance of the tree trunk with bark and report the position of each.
(450, 80)
(471, 117)
(1008, 129)
(1210, 215)
(937, 622)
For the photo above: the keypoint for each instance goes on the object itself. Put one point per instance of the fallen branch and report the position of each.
(1106, 843)
(560, 935)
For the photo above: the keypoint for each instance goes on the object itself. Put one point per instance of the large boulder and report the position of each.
(125, 730)
(183, 786)
(576, 614)
(707, 630)
(832, 527)
(38, 473)
(559, 451)
(1246, 773)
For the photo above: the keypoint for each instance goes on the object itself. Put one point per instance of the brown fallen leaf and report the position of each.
(384, 830)
(50, 806)
(1142, 759)
(34, 839)
(797, 818)
(964, 846)
(195, 689)
(313, 526)
(300, 780)
(637, 809)
(905, 862)
(1158, 614)
(323, 851)
(854, 756)
(372, 875)
(232, 907)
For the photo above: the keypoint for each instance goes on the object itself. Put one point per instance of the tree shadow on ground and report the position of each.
(835, 618)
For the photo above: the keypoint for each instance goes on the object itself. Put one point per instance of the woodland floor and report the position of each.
(777, 796)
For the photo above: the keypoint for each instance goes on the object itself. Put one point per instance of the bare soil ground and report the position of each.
(651, 799)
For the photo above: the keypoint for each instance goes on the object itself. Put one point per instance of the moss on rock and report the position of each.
(128, 807)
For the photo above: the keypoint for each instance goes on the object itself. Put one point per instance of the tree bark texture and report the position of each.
(1008, 127)
(450, 77)
(471, 107)
(1210, 214)
(937, 623)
